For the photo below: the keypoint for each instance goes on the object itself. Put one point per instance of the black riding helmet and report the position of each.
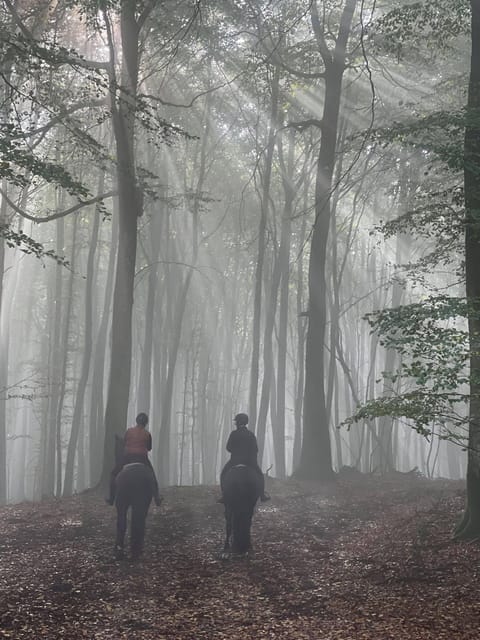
(241, 419)
(142, 419)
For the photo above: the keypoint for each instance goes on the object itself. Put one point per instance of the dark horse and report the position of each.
(240, 494)
(134, 489)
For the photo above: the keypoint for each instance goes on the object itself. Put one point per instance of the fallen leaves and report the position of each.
(356, 559)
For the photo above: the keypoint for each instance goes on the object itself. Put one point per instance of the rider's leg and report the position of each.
(156, 496)
(116, 470)
(121, 529)
(222, 477)
(139, 514)
(261, 484)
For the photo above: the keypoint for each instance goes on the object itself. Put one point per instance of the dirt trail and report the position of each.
(361, 558)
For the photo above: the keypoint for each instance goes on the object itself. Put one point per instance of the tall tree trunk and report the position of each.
(469, 527)
(130, 208)
(3, 379)
(6, 66)
(316, 457)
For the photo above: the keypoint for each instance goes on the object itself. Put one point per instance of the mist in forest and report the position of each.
(201, 206)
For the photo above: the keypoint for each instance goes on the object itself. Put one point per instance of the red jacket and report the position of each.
(137, 441)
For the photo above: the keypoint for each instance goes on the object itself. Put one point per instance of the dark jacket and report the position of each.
(242, 444)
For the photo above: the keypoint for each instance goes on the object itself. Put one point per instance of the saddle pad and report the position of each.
(133, 464)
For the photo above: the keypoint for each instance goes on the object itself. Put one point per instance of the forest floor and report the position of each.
(363, 557)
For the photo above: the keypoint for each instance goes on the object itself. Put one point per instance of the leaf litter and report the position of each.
(363, 557)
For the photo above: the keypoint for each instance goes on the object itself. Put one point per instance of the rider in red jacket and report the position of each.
(137, 443)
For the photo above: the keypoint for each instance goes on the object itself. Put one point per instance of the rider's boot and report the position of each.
(265, 497)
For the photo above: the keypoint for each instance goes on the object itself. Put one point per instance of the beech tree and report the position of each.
(469, 527)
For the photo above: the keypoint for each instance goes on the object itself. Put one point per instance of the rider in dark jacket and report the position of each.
(243, 449)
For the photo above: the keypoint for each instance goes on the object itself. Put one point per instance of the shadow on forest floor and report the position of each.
(363, 557)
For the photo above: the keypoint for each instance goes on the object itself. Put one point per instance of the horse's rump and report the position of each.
(241, 487)
(134, 490)
(240, 493)
(134, 483)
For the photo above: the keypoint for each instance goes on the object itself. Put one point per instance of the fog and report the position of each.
(200, 203)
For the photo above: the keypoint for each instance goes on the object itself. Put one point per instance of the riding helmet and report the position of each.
(142, 419)
(241, 419)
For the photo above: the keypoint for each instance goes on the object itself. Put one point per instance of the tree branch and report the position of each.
(304, 124)
(80, 62)
(147, 10)
(166, 103)
(58, 118)
(59, 214)
(319, 35)
(296, 72)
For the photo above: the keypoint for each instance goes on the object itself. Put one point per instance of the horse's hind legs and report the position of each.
(137, 528)
(228, 529)
(119, 552)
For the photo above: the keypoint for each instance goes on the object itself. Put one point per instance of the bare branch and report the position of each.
(166, 103)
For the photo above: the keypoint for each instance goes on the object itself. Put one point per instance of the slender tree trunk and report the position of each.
(3, 379)
(78, 411)
(65, 351)
(301, 332)
(96, 435)
(155, 235)
(278, 426)
(267, 358)
(264, 208)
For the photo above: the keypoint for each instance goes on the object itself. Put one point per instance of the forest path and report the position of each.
(364, 557)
